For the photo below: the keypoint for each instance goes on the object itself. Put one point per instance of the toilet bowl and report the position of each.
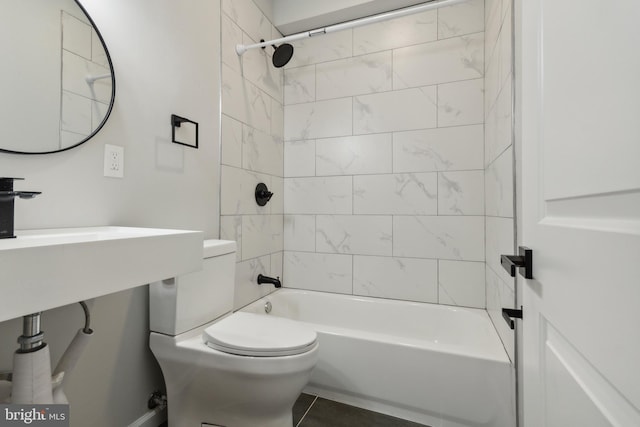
(232, 369)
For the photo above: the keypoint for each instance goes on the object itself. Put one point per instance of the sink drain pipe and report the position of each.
(31, 379)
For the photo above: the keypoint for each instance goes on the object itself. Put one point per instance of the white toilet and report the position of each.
(222, 368)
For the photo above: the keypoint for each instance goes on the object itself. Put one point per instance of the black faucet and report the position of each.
(7, 196)
(266, 279)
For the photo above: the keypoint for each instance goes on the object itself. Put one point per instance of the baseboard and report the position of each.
(152, 418)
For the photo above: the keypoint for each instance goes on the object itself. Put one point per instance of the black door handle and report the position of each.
(511, 313)
(523, 261)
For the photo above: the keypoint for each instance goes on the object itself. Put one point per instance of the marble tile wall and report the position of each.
(499, 164)
(384, 165)
(252, 149)
(83, 107)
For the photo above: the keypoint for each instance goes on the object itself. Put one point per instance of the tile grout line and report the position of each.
(307, 411)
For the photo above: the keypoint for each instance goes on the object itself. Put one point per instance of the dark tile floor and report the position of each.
(313, 411)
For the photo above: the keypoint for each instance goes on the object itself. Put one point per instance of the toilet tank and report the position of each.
(179, 304)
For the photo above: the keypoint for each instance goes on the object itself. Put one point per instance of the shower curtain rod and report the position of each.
(433, 4)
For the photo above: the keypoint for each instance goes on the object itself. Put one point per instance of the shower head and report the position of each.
(281, 54)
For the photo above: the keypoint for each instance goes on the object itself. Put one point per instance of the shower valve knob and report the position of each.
(262, 194)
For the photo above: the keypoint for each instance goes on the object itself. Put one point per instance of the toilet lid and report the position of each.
(249, 334)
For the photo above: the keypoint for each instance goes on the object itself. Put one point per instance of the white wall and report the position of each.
(166, 58)
(384, 191)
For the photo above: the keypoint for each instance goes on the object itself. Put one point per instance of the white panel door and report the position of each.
(579, 133)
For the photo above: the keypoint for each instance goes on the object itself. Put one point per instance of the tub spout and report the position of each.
(265, 279)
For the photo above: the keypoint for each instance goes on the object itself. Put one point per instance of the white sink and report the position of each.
(43, 269)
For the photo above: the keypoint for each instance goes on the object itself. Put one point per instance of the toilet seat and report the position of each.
(249, 334)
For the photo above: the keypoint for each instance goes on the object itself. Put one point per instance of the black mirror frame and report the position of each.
(113, 95)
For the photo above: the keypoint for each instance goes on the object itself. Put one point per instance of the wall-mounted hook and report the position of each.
(263, 195)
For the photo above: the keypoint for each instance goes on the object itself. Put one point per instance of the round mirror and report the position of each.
(56, 78)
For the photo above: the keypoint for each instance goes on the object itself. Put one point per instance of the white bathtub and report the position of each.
(436, 365)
